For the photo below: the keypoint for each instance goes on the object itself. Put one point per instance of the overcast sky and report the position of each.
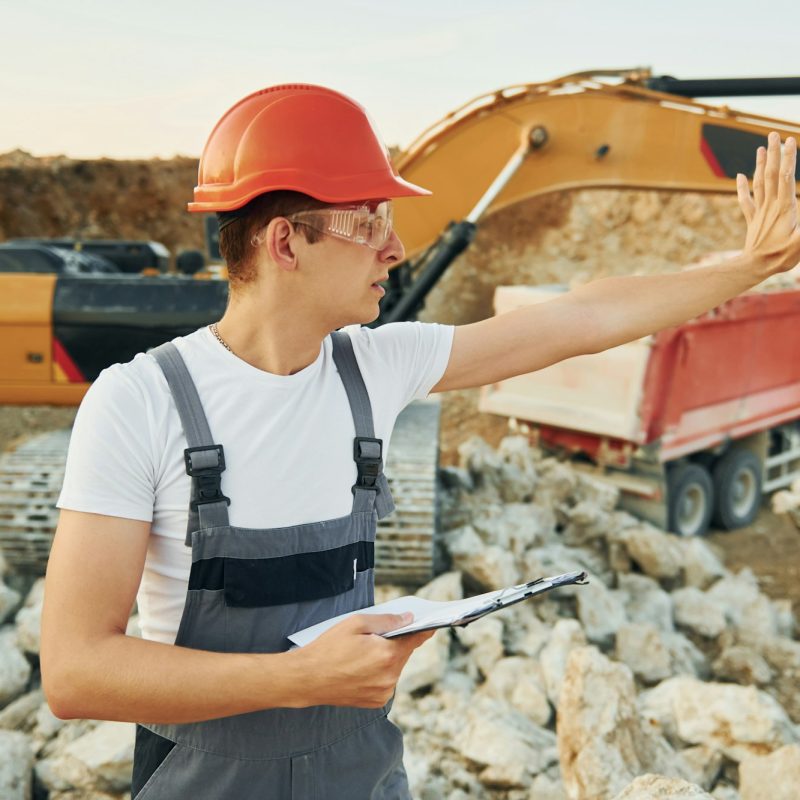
(89, 78)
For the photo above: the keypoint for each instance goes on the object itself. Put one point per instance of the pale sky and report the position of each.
(87, 78)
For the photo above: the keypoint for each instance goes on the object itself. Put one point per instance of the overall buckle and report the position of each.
(368, 455)
(205, 465)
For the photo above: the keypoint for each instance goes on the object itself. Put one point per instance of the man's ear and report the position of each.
(279, 238)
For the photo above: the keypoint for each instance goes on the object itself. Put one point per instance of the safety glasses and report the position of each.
(365, 223)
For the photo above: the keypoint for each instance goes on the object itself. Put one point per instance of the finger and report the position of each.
(786, 182)
(773, 167)
(380, 623)
(758, 177)
(745, 200)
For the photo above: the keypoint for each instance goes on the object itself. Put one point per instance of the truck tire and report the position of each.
(737, 488)
(690, 499)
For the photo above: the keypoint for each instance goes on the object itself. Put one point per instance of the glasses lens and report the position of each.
(366, 224)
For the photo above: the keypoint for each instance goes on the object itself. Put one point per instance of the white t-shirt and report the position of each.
(288, 443)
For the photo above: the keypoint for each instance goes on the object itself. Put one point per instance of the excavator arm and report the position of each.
(590, 130)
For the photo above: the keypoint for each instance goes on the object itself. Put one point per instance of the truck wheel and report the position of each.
(737, 488)
(690, 499)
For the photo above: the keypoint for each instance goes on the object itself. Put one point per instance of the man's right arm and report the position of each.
(92, 670)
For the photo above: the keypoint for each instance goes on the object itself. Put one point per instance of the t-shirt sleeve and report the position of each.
(110, 467)
(410, 357)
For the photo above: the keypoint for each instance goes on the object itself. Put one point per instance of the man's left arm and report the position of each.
(611, 311)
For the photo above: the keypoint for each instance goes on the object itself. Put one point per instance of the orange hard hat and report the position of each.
(301, 137)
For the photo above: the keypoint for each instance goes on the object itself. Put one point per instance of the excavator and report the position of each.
(594, 129)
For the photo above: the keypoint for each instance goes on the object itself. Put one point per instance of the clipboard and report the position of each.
(432, 614)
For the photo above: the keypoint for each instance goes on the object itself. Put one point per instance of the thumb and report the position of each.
(380, 623)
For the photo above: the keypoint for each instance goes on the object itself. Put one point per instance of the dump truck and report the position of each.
(611, 129)
(693, 424)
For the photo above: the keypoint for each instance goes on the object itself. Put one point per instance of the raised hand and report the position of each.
(773, 237)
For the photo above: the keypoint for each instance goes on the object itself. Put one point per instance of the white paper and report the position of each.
(432, 613)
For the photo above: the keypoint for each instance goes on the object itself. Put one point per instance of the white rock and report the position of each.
(783, 656)
(600, 611)
(567, 636)
(601, 493)
(772, 777)
(100, 760)
(545, 788)
(490, 566)
(506, 776)
(658, 554)
(9, 601)
(555, 559)
(29, 619)
(646, 601)
(496, 735)
(736, 720)
(16, 766)
(749, 611)
(685, 657)
(725, 792)
(427, 663)
(444, 588)
(742, 665)
(704, 764)
(602, 742)
(657, 787)
(15, 670)
(484, 637)
(21, 713)
(519, 682)
(640, 645)
(695, 610)
(701, 567)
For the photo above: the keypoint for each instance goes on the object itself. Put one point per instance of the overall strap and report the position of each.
(205, 461)
(371, 485)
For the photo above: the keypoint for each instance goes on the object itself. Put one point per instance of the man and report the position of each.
(268, 426)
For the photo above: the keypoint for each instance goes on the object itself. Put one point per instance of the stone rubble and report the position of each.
(666, 676)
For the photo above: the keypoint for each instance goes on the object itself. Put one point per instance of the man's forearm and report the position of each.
(130, 679)
(621, 309)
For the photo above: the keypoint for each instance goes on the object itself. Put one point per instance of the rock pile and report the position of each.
(666, 677)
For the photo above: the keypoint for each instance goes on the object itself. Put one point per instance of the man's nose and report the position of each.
(393, 251)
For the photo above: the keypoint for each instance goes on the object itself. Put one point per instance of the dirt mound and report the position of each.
(59, 196)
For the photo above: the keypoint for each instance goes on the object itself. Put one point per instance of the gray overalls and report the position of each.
(248, 589)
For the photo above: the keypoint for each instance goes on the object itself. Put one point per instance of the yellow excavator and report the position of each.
(601, 129)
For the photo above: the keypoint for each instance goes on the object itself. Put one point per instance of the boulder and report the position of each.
(746, 609)
(701, 567)
(657, 787)
(602, 743)
(601, 612)
(645, 601)
(658, 554)
(484, 638)
(641, 646)
(736, 720)
(742, 665)
(696, 611)
(488, 566)
(496, 735)
(427, 663)
(15, 670)
(100, 760)
(519, 682)
(20, 715)
(567, 636)
(772, 777)
(443, 588)
(16, 766)
(29, 619)
(9, 601)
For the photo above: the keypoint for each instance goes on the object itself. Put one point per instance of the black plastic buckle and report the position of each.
(206, 481)
(368, 455)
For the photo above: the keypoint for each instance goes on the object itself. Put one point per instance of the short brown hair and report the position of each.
(237, 229)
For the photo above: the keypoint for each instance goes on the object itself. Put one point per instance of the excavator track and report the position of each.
(30, 482)
(32, 474)
(404, 548)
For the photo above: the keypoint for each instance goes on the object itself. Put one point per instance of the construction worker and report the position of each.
(234, 476)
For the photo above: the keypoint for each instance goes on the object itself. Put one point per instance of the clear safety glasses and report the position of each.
(367, 223)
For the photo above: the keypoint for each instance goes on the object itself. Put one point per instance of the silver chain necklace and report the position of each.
(213, 327)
